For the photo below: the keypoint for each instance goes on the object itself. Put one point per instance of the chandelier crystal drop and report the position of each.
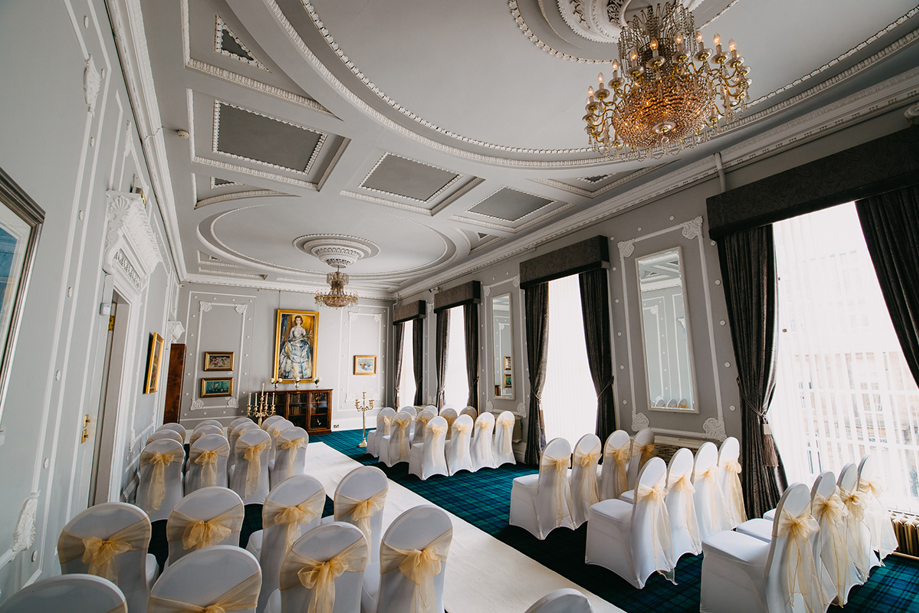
(666, 98)
(336, 296)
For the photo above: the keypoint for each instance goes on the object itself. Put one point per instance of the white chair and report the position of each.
(292, 508)
(614, 472)
(110, 540)
(203, 430)
(711, 511)
(220, 578)
(384, 424)
(206, 517)
(330, 559)
(291, 455)
(684, 526)
(457, 449)
(565, 600)
(830, 546)
(241, 420)
(470, 412)
(583, 479)
(266, 423)
(504, 439)
(483, 455)
(737, 568)
(877, 517)
(450, 415)
(541, 503)
(207, 463)
(858, 538)
(642, 451)
(233, 437)
(160, 478)
(729, 467)
(275, 430)
(421, 534)
(427, 458)
(177, 428)
(167, 433)
(208, 422)
(395, 447)
(421, 422)
(250, 475)
(359, 500)
(446, 407)
(412, 410)
(71, 593)
(633, 540)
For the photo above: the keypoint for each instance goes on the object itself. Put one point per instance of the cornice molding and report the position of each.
(257, 193)
(290, 286)
(131, 248)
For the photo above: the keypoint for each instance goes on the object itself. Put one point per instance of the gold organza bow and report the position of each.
(200, 533)
(420, 566)
(156, 486)
(644, 453)
(483, 424)
(831, 514)
(877, 517)
(460, 442)
(734, 494)
(450, 419)
(253, 455)
(294, 517)
(319, 576)
(437, 431)
(387, 425)
(207, 460)
(720, 518)
(241, 597)
(507, 433)
(588, 463)
(684, 486)
(799, 555)
(98, 553)
(401, 424)
(360, 511)
(619, 457)
(856, 502)
(420, 424)
(291, 447)
(275, 431)
(562, 489)
(660, 520)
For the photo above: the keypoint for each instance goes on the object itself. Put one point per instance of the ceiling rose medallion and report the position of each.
(339, 252)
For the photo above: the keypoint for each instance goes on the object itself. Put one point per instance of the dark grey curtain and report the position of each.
(748, 265)
(594, 286)
(890, 223)
(471, 329)
(418, 360)
(398, 333)
(440, 353)
(536, 305)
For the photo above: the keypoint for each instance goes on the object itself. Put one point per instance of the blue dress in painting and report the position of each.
(296, 359)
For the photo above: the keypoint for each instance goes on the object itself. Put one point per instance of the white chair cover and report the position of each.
(729, 468)
(585, 491)
(250, 476)
(207, 463)
(504, 439)
(213, 580)
(176, 427)
(565, 600)
(614, 473)
(633, 540)
(208, 422)
(427, 458)
(110, 540)
(266, 423)
(877, 517)
(421, 422)
(684, 526)
(483, 455)
(160, 478)
(359, 500)
(541, 503)
(858, 539)
(830, 553)
(413, 411)
(233, 437)
(450, 415)
(167, 433)
(413, 561)
(471, 412)
(241, 420)
(291, 455)
(384, 424)
(457, 449)
(710, 508)
(71, 593)
(395, 447)
(206, 517)
(642, 451)
(202, 430)
(274, 430)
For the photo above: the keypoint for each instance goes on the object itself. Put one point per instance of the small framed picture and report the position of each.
(365, 365)
(508, 381)
(154, 357)
(507, 362)
(219, 360)
(212, 388)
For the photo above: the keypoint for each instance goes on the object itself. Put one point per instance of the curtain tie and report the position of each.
(799, 555)
(99, 553)
(419, 566)
(241, 597)
(253, 455)
(293, 517)
(590, 492)
(654, 496)
(360, 511)
(319, 577)
(156, 488)
(562, 488)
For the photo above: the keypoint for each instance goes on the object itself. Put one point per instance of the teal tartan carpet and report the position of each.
(483, 499)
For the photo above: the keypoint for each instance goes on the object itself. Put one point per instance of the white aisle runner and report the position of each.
(483, 574)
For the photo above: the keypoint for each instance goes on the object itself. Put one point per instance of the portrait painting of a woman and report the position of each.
(295, 356)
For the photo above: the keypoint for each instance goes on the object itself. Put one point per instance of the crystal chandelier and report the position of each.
(336, 296)
(666, 98)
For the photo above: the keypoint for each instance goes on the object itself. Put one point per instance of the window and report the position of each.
(569, 400)
(456, 384)
(407, 378)
(843, 388)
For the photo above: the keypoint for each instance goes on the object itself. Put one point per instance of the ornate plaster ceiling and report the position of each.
(406, 138)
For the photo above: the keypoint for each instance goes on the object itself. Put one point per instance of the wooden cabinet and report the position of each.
(308, 409)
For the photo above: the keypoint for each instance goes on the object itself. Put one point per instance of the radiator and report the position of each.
(906, 527)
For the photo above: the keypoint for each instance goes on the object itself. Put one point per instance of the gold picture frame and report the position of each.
(219, 360)
(507, 362)
(508, 381)
(365, 365)
(295, 344)
(216, 387)
(154, 362)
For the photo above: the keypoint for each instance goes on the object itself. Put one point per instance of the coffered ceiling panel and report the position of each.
(510, 205)
(399, 176)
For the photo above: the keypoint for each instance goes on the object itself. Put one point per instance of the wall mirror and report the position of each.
(502, 340)
(665, 332)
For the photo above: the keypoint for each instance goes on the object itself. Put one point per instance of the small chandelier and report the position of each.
(666, 99)
(336, 296)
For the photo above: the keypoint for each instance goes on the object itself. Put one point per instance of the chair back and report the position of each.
(400, 438)
(650, 530)
(642, 451)
(684, 526)
(160, 478)
(729, 468)
(445, 407)
(614, 478)
(877, 516)
(250, 476)
(241, 420)
(420, 528)
(412, 410)
(168, 433)
(450, 415)
(711, 509)
(221, 578)
(175, 426)
(266, 423)
(504, 439)
(208, 422)
(793, 547)
(553, 494)
(384, 425)
(233, 436)
(483, 454)
(457, 449)
(292, 508)
(470, 412)
(205, 518)
(291, 455)
(585, 490)
(433, 455)
(205, 429)
(207, 463)
(565, 600)
(274, 430)
(421, 423)
(71, 593)
(359, 500)
(117, 524)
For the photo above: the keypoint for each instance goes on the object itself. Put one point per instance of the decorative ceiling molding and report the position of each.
(445, 187)
(219, 31)
(337, 250)
(600, 191)
(522, 24)
(257, 193)
(595, 20)
(215, 185)
(131, 249)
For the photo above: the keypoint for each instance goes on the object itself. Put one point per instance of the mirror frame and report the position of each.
(495, 357)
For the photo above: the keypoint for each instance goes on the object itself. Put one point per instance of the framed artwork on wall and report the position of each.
(154, 361)
(507, 362)
(365, 365)
(220, 386)
(508, 381)
(295, 341)
(219, 360)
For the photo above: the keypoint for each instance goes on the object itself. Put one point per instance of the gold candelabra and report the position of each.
(263, 407)
(362, 406)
